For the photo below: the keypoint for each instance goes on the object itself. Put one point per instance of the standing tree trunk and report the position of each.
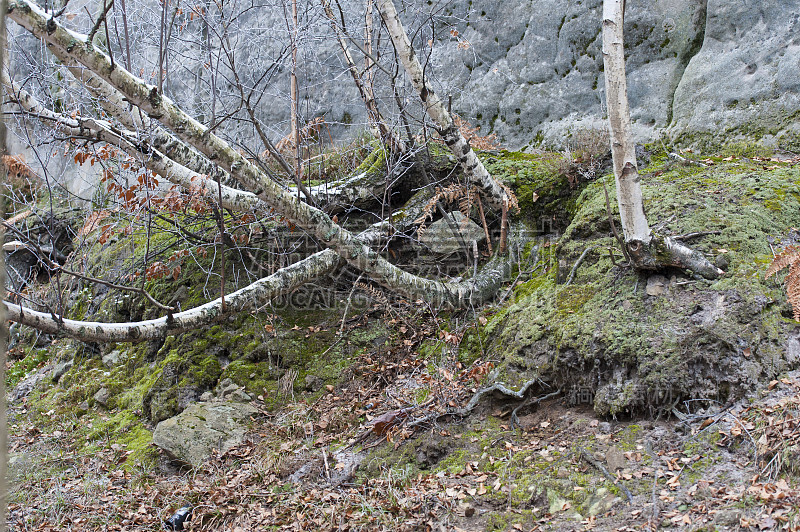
(623, 149)
(647, 250)
(3, 323)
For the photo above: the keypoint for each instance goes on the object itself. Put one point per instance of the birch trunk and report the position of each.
(249, 298)
(353, 250)
(623, 149)
(648, 251)
(79, 127)
(470, 164)
(364, 86)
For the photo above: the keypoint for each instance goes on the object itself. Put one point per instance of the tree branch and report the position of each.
(251, 297)
(356, 252)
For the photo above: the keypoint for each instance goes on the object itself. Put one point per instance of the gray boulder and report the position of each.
(202, 428)
(439, 237)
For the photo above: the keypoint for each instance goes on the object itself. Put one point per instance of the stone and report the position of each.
(29, 383)
(229, 390)
(601, 502)
(193, 435)
(19, 465)
(313, 383)
(112, 359)
(728, 517)
(102, 396)
(615, 459)
(439, 238)
(60, 369)
(657, 285)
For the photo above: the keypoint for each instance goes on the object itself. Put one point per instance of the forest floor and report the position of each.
(356, 460)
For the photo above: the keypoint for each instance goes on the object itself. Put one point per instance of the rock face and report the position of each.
(202, 428)
(532, 71)
(625, 343)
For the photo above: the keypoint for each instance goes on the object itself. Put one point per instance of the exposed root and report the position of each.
(662, 252)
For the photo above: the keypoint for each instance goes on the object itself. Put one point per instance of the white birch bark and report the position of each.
(354, 251)
(470, 164)
(363, 85)
(623, 149)
(249, 298)
(647, 251)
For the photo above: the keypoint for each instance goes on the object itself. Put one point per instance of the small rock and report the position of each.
(728, 517)
(657, 285)
(102, 396)
(112, 359)
(206, 396)
(238, 395)
(601, 502)
(615, 459)
(313, 383)
(439, 235)
(60, 369)
(604, 427)
(194, 434)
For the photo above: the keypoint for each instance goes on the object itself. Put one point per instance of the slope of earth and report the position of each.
(362, 421)
(630, 342)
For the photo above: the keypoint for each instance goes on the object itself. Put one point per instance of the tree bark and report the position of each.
(364, 87)
(623, 149)
(648, 251)
(470, 164)
(356, 252)
(79, 127)
(249, 298)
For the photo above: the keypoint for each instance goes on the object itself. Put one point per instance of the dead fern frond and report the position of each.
(789, 257)
(783, 259)
(478, 142)
(376, 295)
(450, 194)
(513, 202)
(17, 167)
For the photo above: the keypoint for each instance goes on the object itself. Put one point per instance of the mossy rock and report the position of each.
(604, 338)
(545, 194)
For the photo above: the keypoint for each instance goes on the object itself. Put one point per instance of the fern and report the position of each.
(789, 257)
(463, 195)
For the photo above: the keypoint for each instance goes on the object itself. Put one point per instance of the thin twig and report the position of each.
(100, 19)
(589, 458)
(613, 225)
(578, 263)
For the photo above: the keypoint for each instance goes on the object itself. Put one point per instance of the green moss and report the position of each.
(455, 462)
(33, 359)
(538, 180)
(603, 333)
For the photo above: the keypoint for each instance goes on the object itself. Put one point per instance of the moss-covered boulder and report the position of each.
(541, 183)
(604, 338)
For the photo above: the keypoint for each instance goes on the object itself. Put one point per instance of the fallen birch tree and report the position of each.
(183, 146)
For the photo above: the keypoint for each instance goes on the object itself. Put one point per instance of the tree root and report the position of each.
(662, 252)
(497, 387)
